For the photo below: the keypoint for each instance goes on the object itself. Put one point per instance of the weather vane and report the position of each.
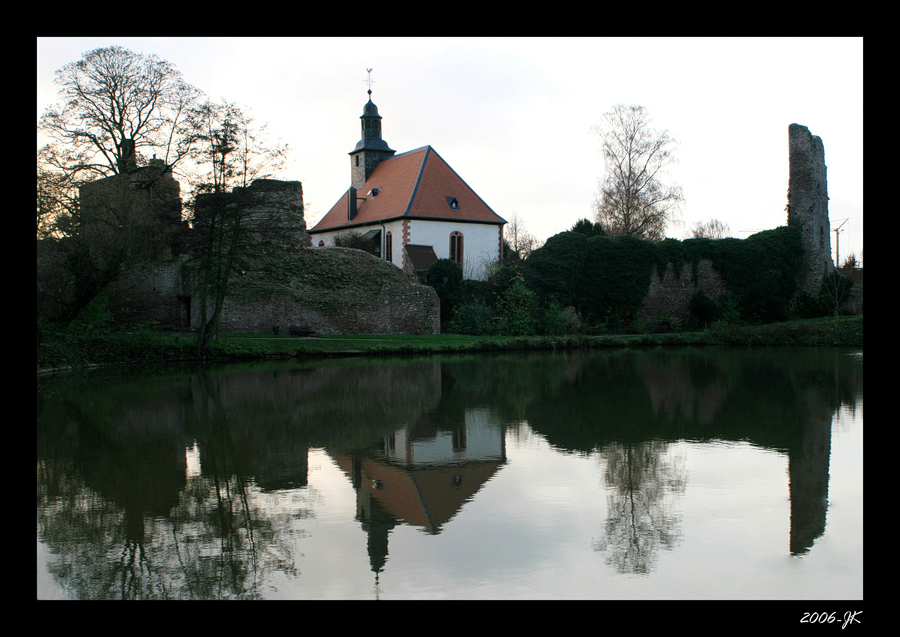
(369, 80)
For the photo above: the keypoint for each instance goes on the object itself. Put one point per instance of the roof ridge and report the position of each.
(410, 152)
(463, 181)
(428, 150)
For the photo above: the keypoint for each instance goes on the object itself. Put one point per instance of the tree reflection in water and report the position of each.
(195, 484)
(642, 480)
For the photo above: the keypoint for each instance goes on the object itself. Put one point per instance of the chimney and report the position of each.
(351, 203)
(126, 160)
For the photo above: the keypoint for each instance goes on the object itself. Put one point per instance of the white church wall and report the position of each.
(481, 243)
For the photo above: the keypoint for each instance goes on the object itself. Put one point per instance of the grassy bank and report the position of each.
(64, 349)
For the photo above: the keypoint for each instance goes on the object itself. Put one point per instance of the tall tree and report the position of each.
(116, 105)
(231, 234)
(633, 200)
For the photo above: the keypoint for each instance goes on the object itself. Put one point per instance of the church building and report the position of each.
(413, 208)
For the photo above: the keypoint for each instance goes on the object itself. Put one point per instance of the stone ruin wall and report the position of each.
(151, 291)
(670, 295)
(326, 312)
(807, 209)
(808, 205)
(333, 291)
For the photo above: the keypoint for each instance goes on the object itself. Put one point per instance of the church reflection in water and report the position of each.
(181, 471)
(422, 476)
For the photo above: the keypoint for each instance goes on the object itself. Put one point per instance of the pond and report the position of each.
(685, 473)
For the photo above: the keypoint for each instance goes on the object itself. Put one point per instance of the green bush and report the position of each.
(446, 277)
(473, 318)
(552, 319)
(704, 310)
(95, 316)
(665, 324)
(516, 311)
(803, 305)
(607, 279)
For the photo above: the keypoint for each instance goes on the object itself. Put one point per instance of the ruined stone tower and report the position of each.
(808, 205)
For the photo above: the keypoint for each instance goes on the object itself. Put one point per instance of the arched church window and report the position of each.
(456, 247)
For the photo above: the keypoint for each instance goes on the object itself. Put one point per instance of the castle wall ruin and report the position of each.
(808, 205)
(670, 294)
(331, 291)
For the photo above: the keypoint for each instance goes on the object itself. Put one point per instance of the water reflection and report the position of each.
(641, 520)
(421, 475)
(195, 483)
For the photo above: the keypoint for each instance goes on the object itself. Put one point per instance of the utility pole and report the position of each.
(837, 251)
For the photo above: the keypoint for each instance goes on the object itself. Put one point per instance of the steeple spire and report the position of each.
(371, 148)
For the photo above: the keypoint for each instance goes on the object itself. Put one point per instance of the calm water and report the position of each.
(658, 474)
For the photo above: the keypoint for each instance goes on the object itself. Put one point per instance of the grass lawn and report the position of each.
(59, 348)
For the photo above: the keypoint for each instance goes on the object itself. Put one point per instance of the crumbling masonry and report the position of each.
(326, 290)
(807, 207)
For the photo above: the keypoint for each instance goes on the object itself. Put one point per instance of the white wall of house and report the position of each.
(484, 441)
(396, 230)
(394, 227)
(481, 241)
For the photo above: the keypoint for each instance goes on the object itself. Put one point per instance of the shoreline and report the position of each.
(61, 352)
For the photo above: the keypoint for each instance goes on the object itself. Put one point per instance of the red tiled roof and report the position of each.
(414, 185)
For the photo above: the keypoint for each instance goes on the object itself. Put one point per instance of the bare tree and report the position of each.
(115, 105)
(230, 234)
(519, 242)
(633, 200)
(710, 229)
(835, 292)
(57, 204)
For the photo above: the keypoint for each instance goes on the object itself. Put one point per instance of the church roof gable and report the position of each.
(417, 184)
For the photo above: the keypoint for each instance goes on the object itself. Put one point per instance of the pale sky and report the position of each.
(514, 116)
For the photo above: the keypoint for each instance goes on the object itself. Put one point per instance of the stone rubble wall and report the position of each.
(670, 295)
(333, 291)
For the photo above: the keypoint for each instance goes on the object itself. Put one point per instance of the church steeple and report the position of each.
(371, 149)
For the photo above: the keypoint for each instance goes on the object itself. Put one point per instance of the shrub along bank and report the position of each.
(598, 284)
(59, 349)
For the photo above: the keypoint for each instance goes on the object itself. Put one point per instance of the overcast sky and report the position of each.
(514, 116)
